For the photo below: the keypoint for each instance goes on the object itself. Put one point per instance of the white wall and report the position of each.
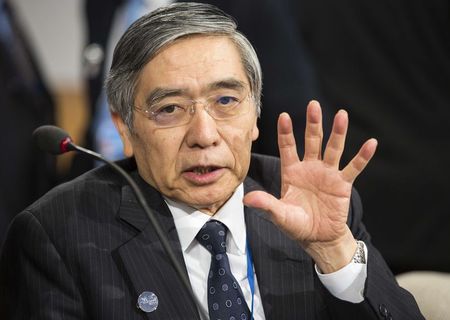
(56, 31)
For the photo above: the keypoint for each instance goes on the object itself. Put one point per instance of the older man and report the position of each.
(260, 237)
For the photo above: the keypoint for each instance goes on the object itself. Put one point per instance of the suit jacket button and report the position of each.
(147, 301)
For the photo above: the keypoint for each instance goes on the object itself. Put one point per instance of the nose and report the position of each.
(203, 130)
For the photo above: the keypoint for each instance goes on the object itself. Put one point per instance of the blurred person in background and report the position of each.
(25, 103)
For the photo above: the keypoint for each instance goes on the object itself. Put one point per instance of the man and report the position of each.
(259, 237)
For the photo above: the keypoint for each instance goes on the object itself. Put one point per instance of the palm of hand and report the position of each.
(315, 201)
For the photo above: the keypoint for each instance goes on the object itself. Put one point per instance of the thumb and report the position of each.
(267, 202)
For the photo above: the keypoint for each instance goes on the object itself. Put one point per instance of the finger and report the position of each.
(359, 162)
(336, 142)
(313, 131)
(267, 202)
(286, 141)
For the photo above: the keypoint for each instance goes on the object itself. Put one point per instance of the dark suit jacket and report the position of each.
(86, 251)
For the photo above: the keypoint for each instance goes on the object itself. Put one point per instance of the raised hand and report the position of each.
(315, 194)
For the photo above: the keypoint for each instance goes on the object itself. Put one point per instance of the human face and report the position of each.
(200, 163)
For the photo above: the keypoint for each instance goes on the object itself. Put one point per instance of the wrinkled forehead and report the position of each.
(197, 63)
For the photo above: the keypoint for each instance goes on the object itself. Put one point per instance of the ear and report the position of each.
(255, 130)
(124, 133)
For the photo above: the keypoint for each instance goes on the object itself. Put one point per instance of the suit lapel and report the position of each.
(284, 271)
(145, 262)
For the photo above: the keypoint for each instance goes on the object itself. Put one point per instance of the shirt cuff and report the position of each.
(347, 283)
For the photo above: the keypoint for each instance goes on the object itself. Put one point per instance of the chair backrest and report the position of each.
(431, 290)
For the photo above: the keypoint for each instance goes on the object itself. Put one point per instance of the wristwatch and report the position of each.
(360, 254)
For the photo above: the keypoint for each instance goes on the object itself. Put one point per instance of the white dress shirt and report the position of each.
(346, 284)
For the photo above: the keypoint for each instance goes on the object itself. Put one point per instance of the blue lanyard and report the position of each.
(250, 276)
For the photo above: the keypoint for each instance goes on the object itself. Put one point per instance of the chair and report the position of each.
(431, 290)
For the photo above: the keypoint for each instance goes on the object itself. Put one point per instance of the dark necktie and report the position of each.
(225, 298)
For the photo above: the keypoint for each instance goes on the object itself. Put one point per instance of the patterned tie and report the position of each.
(225, 298)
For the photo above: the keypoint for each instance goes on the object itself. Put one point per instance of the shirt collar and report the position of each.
(189, 220)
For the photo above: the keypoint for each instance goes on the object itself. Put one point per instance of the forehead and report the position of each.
(192, 64)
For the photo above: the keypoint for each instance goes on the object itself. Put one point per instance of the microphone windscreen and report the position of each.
(50, 139)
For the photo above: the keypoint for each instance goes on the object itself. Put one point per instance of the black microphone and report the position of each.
(52, 139)
(56, 141)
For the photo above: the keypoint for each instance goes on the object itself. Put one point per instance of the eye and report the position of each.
(166, 112)
(226, 100)
(167, 109)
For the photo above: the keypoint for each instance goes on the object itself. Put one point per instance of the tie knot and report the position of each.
(212, 236)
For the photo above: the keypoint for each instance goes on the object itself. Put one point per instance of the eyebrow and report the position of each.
(229, 83)
(161, 93)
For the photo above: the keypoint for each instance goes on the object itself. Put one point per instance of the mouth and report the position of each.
(200, 170)
(203, 175)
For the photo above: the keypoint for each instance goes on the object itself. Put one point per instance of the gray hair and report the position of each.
(152, 32)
